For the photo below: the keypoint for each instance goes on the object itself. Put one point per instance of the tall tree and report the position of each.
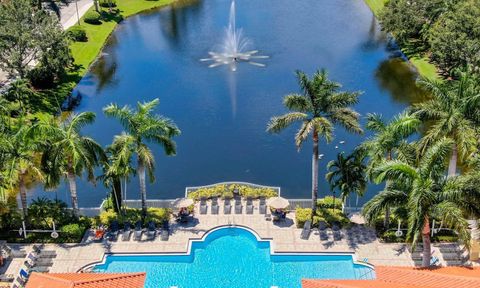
(347, 174)
(422, 188)
(449, 115)
(388, 141)
(118, 168)
(141, 126)
(69, 153)
(24, 161)
(28, 34)
(318, 108)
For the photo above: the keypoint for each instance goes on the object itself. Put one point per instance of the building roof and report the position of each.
(86, 280)
(403, 277)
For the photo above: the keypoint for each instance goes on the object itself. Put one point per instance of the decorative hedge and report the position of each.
(226, 191)
(328, 203)
(328, 215)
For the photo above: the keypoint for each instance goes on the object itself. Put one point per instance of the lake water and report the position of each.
(223, 114)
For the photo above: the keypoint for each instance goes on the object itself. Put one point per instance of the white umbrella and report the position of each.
(182, 202)
(277, 202)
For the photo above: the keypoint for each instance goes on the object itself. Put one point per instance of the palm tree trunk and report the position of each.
(73, 191)
(23, 194)
(452, 166)
(314, 173)
(386, 221)
(117, 194)
(427, 253)
(143, 188)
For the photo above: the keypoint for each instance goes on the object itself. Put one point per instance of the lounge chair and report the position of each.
(215, 207)
(151, 231)
(24, 274)
(127, 231)
(227, 206)
(238, 206)
(322, 229)
(21, 281)
(165, 232)
(203, 206)
(40, 269)
(137, 235)
(434, 261)
(263, 206)
(306, 230)
(249, 206)
(113, 233)
(40, 261)
(40, 253)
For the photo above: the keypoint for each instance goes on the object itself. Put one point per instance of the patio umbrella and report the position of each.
(182, 202)
(277, 202)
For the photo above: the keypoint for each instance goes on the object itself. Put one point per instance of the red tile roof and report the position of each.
(403, 277)
(86, 280)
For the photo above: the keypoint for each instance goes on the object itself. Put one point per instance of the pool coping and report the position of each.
(204, 237)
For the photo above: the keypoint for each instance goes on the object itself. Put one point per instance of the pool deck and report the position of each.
(285, 236)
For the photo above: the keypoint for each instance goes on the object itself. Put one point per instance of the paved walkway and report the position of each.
(285, 236)
(68, 12)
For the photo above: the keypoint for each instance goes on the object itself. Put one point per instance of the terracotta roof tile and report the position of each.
(402, 277)
(86, 280)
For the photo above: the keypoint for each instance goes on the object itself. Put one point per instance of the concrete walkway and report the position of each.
(68, 12)
(285, 236)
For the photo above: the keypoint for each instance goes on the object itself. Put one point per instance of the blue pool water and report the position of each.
(233, 258)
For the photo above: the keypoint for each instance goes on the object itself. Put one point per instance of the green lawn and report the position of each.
(424, 67)
(376, 5)
(85, 53)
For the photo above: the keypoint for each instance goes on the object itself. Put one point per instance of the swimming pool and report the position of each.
(234, 257)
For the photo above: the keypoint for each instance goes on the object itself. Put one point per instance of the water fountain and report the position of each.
(234, 47)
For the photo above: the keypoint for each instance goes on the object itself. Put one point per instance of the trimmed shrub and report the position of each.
(158, 215)
(328, 203)
(302, 215)
(390, 237)
(106, 217)
(108, 3)
(227, 191)
(92, 17)
(78, 34)
(74, 231)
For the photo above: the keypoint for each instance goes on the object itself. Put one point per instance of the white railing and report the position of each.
(193, 188)
(155, 203)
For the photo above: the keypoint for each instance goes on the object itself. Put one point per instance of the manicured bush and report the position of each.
(74, 231)
(92, 17)
(108, 3)
(42, 212)
(224, 191)
(106, 217)
(328, 203)
(158, 215)
(390, 237)
(78, 34)
(333, 216)
(302, 215)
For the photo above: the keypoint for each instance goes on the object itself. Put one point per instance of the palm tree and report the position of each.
(347, 174)
(388, 141)
(141, 127)
(117, 168)
(449, 115)
(23, 162)
(70, 154)
(318, 109)
(422, 188)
